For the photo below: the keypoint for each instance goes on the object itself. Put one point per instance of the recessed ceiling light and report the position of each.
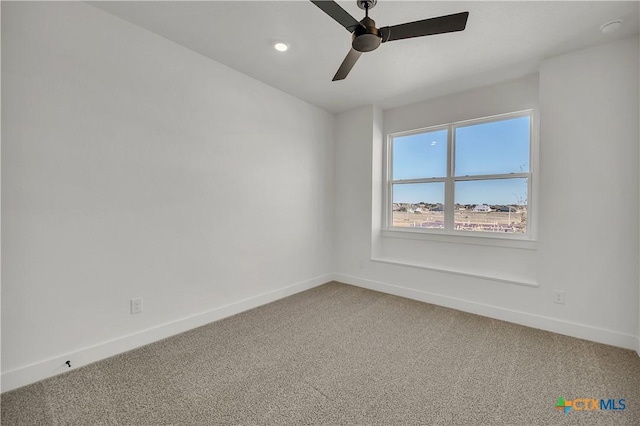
(610, 27)
(281, 46)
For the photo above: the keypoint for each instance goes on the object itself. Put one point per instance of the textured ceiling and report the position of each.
(502, 40)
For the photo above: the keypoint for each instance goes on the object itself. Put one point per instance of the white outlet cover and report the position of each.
(136, 305)
(559, 297)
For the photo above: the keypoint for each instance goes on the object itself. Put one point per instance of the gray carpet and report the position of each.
(339, 354)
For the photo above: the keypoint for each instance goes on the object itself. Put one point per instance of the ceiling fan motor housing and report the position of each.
(366, 37)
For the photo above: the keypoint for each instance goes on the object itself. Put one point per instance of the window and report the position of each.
(468, 178)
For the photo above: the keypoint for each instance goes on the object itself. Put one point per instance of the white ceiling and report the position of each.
(503, 40)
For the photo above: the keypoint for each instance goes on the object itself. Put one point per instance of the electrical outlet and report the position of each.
(136, 305)
(558, 297)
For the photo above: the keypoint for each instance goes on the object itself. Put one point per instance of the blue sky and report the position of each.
(488, 148)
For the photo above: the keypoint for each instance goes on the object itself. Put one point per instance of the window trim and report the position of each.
(526, 240)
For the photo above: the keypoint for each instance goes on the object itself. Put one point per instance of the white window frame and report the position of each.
(449, 234)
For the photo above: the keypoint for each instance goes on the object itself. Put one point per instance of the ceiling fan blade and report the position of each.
(340, 15)
(347, 64)
(439, 25)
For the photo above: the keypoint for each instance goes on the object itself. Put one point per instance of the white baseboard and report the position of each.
(554, 325)
(53, 366)
(56, 365)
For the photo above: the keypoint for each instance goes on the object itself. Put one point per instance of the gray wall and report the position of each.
(132, 167)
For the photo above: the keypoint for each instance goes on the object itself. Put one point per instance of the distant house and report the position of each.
(503, 208)
(482, 208)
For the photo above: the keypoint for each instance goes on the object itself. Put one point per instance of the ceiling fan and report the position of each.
(366, 37)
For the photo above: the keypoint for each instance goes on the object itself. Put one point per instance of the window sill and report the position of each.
(509, 280)
(458, 238)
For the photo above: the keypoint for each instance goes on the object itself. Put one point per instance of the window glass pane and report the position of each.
(497, 205)
(418, 205)
(493, 148)
(422, 155)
